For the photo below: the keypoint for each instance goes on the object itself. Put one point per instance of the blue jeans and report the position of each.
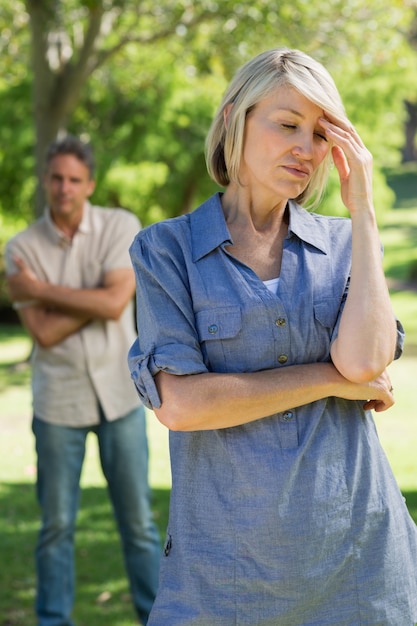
(124, 459)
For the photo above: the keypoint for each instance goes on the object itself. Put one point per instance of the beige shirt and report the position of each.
(90, 366)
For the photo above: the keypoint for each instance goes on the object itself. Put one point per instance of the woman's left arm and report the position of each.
(367, 335)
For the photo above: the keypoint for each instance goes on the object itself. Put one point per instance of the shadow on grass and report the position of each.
(399, 266)
(102, 589)
(402, 180)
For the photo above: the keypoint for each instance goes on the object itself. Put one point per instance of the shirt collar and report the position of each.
(209, 229)
(57, 234)
(309, 227)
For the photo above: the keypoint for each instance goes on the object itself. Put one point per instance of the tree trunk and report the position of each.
(409, 151)
(42, 22)
(57, 79)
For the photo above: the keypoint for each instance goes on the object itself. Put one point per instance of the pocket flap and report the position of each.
(326, 312)
(220, 323)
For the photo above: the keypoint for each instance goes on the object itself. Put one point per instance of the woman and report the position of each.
(265, 332)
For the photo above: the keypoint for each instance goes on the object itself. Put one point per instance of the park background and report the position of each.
(141, 80)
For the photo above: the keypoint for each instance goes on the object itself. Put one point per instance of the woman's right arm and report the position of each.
(211, 400)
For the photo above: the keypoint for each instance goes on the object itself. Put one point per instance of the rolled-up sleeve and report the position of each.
(167, 338)
(400, 340)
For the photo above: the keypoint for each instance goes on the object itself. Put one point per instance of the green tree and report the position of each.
(72, 40)
(141, 79)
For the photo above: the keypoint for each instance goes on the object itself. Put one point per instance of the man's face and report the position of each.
(67, 185)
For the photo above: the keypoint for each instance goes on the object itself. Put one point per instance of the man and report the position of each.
(70, 277)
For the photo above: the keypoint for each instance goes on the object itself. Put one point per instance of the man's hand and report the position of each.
(22, 285)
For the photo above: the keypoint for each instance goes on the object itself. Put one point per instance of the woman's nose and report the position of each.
(304, 147)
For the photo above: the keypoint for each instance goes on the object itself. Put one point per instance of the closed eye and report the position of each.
(318, 134)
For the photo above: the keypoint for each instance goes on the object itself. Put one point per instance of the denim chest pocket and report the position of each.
(326, 312)
(325, 318)
(218, 332)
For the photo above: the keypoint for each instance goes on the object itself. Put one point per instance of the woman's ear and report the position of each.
(226, 114)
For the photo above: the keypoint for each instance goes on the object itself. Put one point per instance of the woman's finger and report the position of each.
(345, 133)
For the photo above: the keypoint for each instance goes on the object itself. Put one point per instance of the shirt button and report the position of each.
(287, 416)
(213, 329)
(282, 358)
(281, 321)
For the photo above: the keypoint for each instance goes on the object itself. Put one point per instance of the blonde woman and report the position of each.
(265, 331)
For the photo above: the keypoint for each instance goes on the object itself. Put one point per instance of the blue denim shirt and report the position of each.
(294, 519)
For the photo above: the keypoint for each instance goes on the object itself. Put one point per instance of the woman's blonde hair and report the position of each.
(253, 82)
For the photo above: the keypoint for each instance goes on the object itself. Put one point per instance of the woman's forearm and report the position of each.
(367, 334)
(211, 401)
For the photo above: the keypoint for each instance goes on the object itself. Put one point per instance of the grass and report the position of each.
(102, 592)
(399, 237)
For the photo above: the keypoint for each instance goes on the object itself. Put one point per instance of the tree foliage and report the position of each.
(141, 80)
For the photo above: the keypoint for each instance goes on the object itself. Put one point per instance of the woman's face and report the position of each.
(283, 145)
